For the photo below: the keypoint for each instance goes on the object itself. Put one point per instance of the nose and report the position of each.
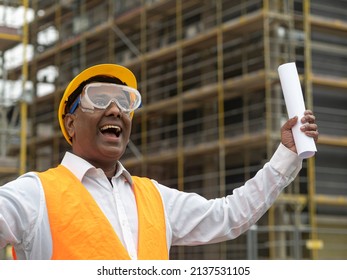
(113, 109)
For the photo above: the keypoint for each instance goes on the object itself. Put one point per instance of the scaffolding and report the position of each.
(13, 106)
(212, 103)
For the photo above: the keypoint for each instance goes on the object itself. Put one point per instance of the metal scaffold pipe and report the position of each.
(23, 102)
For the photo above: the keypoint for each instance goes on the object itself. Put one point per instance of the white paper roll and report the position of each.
(294, 100)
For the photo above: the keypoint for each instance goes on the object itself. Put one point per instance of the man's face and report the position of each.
(99, 137)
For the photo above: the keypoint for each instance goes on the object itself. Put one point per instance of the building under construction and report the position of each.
(212, 104)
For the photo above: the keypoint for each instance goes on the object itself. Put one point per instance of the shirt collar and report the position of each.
(122, 171)
(78, 166)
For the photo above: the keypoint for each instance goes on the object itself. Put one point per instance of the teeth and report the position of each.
(115, 127)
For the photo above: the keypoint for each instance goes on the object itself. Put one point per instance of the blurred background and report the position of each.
(212, 103)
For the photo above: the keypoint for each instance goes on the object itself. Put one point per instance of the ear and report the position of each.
(69, 124)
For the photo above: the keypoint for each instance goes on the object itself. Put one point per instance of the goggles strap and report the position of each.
(74, 105)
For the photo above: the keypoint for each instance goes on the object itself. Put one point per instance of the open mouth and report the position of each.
(111, 130)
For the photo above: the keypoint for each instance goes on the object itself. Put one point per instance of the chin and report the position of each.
(113, 153)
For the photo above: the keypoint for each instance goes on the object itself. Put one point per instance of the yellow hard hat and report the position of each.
(111, 70)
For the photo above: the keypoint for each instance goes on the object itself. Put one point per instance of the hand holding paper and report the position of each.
(294, 100)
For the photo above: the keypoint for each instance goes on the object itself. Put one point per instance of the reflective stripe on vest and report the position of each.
(80, 230)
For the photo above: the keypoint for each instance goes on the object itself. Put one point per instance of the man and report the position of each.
(89, 207)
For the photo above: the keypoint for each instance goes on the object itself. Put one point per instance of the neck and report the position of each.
(109, 170)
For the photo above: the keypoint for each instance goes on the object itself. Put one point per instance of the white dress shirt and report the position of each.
(190, 218)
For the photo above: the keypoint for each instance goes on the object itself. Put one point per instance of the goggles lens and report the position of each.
(100, 96)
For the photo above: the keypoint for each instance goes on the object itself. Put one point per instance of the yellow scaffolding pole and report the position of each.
(271, 212)
(23, 102)
(309, 103)
(144, 129)
(179, 59)
(221, 125)
(10, 37)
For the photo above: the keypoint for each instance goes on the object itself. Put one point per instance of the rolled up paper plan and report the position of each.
(295, 105)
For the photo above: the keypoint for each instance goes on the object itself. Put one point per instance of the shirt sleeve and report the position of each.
(21, 203)
(194, 220)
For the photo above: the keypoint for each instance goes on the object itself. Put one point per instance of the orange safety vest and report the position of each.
(80, 230)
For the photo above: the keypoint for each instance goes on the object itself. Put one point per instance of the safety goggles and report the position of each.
(100, 96)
